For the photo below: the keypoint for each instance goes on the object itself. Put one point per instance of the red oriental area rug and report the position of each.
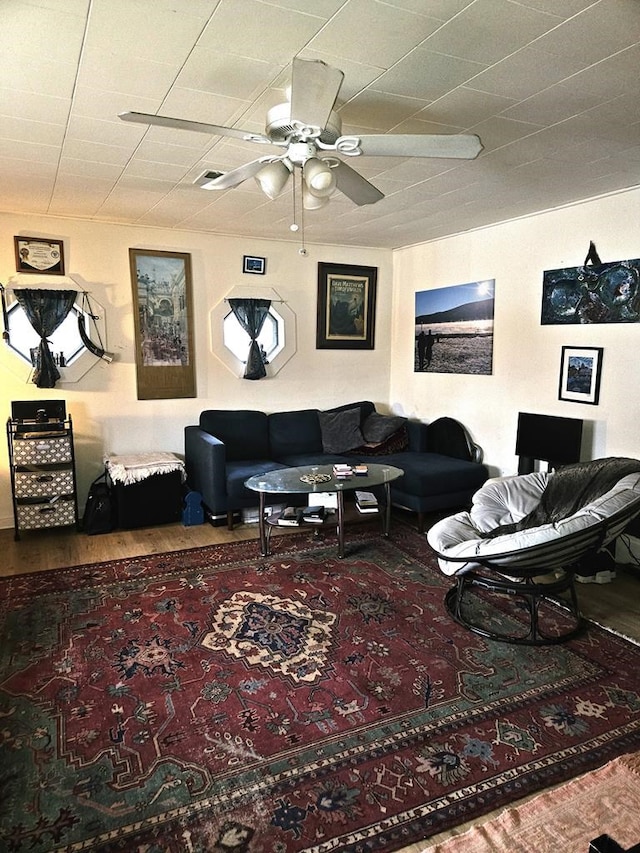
(214, 700)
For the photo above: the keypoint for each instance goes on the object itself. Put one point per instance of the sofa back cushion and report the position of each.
(292, 433)
(245, 432)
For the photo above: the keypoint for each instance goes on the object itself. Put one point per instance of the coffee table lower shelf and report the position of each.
(351, 516)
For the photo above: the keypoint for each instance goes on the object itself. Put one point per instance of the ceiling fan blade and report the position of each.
(353, 185)
(314, 89)
(226, 180)
(459, 146)
(197, 126)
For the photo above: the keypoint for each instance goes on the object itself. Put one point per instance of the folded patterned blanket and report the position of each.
(134, 467)
(570, 489)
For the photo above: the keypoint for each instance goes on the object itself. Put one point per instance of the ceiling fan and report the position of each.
(309, 130)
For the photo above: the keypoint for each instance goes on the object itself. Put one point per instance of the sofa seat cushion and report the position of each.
(238, 472)
(433, 474)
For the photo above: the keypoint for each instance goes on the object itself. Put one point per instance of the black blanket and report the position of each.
(571, 488)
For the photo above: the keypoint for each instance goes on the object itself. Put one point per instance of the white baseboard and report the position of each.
(628, 550)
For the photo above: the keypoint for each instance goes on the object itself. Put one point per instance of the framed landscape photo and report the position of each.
(580, 370)
(163, 323)
(346, 306)
(254, 265)
(38, 255)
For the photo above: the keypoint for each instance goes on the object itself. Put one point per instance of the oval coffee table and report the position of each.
(320, 478)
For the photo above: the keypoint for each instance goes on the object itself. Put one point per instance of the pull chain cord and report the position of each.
(294, 225)
(303, 249)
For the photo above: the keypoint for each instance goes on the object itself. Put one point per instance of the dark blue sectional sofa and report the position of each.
(442, 465)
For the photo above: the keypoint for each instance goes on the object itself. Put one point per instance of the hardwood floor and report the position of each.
(615, 605)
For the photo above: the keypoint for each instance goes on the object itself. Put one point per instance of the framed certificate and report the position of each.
(37, 255)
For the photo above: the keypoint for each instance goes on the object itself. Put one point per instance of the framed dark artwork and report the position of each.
(346, 306)
(453, 330)
(37, 255)
(580, 370)
(163, 320)
(598, 293)
(254, 265)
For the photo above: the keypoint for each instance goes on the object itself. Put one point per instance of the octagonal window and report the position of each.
(270, 339)
(65, 343)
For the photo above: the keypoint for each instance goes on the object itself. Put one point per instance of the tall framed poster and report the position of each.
(163, 319)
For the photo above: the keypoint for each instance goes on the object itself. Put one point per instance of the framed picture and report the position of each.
(453, 329)
(254, 265)
(163, 321)
(346, 306)
(37, 255)
(580, 369)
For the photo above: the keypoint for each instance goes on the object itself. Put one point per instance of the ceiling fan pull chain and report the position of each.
(303, 249)
(294, 225)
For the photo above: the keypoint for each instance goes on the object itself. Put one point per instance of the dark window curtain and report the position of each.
(45, 310)
(251, 314)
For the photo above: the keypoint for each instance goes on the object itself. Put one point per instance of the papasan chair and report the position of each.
(514, 554)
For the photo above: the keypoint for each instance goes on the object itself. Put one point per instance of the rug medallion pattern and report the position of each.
(215, 700)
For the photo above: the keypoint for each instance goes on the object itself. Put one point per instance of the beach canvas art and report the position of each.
(454, 329)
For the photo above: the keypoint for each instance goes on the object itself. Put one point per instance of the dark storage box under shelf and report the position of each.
(155, 500)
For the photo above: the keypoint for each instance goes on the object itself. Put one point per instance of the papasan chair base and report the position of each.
(527, 596)
(514, 582)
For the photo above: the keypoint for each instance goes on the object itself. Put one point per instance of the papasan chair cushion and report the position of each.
(501, 505)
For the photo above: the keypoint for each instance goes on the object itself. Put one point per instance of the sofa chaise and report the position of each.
(442, 465)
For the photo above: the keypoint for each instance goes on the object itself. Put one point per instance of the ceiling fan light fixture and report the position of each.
(272, 178)
(319, 177)
(311, 201)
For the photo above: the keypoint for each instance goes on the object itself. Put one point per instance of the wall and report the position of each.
(526, 356)
(107, 415)
(526, 364)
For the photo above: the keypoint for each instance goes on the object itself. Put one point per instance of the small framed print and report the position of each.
(254, 265)
(580, 369)
(37, 255)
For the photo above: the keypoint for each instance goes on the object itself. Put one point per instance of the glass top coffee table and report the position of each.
(320, 478)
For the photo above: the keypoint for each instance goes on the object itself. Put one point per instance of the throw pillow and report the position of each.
(340, 430)
(395, 443)
(379, 427)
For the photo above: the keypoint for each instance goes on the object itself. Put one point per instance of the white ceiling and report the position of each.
(551, 87)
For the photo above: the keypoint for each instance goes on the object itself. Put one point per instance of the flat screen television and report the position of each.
(547, 438)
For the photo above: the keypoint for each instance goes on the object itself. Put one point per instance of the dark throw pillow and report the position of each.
(340, 430)
(395, 443)
(378, 427)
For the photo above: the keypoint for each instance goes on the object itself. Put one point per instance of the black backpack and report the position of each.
(98, 512)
